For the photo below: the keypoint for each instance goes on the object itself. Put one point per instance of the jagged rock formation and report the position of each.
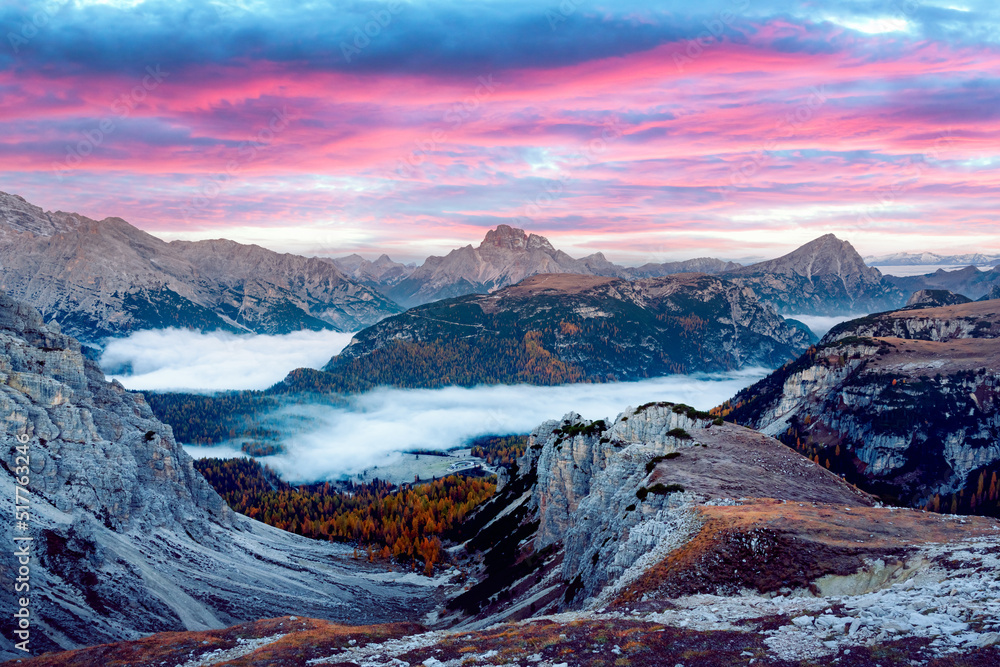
(127, 538)
(826, 276)
(690, 522)
(932, 298)
(902, 403)
(557, 328)
(969, 281)
(105, 279)
(506, 256)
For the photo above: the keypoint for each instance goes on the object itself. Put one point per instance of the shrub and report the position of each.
(664, 489)
(679, 433)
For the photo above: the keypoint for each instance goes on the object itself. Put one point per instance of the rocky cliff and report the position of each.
(558, 328)
(125, 536)
(826, 276)
(107, 278)
(674, 517)
(903, 403)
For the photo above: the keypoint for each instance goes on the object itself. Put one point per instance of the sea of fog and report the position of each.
(329, 441)
(183, 360)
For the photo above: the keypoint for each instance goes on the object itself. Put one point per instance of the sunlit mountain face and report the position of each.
(647, 130)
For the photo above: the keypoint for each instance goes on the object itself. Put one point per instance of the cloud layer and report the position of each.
(325, 442)
(182, 360)
(644, 129)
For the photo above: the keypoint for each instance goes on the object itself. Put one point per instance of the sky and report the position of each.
(646, 130)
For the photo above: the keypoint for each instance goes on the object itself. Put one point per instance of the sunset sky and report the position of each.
(634, 128)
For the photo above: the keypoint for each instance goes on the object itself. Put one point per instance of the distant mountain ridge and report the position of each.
(108, 278)
(932, 259)
(968, 281)
(506, 256)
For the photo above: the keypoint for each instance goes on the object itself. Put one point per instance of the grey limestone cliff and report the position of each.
(126, 537)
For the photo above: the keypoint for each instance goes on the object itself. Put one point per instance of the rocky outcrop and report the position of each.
(594, 506)
(902, 403)
(106, 279)
(555, 328)
(125, 537)
(826, 276)
(932, 298)
(663, 536)
(671, 515)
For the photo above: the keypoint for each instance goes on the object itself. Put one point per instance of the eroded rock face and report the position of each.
(903, 403)
(595, 505)
(126, 536)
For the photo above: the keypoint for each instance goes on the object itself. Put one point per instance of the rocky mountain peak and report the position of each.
(826, 255)
(540, 243)
(505, 236)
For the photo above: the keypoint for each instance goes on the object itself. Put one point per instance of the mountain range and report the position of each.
(108, 278)
(932, 259)
(969, 281)
(826, 276)
(506, 256)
